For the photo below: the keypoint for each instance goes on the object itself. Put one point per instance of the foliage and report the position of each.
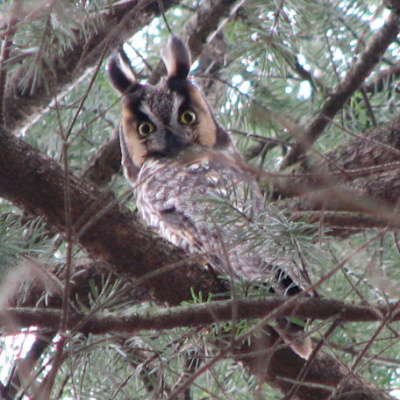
(283, 61)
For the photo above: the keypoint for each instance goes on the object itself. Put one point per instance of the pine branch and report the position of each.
(360, 175)
(384, 78)
(108, 231)
(119, 23)
(87, 273)
(377, 147)
(339, 224)
(345, 199)
(264, 357)
(353, 80)
(203, 314)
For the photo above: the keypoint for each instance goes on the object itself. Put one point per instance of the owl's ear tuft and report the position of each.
(176, 57)
(121, 74)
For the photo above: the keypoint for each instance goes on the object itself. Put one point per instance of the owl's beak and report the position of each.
(175, 142)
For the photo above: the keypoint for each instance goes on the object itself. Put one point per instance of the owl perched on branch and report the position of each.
(192, 185)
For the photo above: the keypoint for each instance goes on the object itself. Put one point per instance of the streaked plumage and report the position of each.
(190, 181)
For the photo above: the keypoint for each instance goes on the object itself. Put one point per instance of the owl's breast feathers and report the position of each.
(206, 202)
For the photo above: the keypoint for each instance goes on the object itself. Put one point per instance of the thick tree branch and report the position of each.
(353, 80)
(101, 225)
(377, 150)
(361, 175)
(321, 378)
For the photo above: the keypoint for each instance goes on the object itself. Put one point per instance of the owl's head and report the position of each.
(163, 120)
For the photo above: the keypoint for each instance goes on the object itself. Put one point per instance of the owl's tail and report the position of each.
(294, 336)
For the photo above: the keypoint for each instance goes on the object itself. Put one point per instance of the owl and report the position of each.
(191, 183)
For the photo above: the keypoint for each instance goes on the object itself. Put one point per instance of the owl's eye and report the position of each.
(145, 128)
(188, 117)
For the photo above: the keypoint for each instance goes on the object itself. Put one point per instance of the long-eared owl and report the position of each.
(190, 181)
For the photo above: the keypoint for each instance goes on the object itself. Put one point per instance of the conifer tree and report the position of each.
(94, 305)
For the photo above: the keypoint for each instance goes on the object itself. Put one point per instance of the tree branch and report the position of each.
(325, 377)
(383, 80)
(359, 176)
(119, 23)
(340, 224)
(353, 80)
(101, 225)
(203, 314)
(108, 231)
